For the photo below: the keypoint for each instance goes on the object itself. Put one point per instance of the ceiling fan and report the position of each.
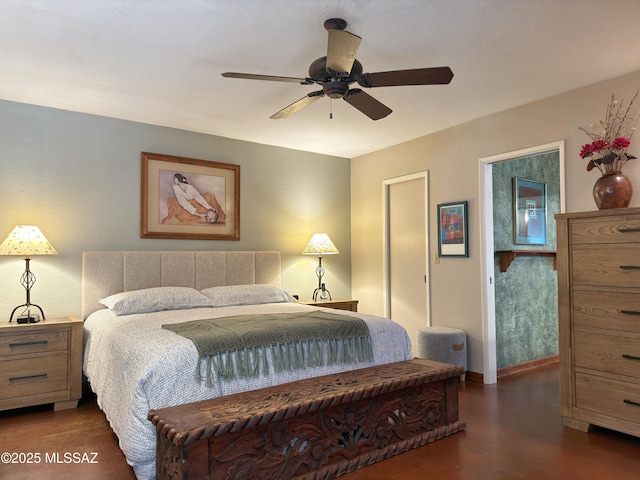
(340, 68)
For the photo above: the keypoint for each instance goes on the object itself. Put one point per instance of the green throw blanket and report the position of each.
(236, 347)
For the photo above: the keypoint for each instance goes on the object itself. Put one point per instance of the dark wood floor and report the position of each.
(514, 431)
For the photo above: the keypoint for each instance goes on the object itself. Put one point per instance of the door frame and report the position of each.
(487, 253)
(386, 269)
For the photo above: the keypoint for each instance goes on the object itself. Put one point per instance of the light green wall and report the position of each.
(77, 177)
(526, 295)
(452, 158)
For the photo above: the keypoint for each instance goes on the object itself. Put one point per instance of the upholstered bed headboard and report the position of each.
(108, 272)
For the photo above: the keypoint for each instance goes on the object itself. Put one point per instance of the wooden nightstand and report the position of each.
(351, 305)
(41, 363)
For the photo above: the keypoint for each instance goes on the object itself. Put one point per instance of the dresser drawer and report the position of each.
(36, 342)
(31, 376)
(608, 310)
(625, 230)
(608, 397)
(608, 353)
(619, 267)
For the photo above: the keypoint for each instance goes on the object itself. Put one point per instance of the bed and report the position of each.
(136, 363)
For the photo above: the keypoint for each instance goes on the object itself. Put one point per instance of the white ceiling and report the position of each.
(159, 61)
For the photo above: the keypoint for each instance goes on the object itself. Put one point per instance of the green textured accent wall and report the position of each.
(527, 293)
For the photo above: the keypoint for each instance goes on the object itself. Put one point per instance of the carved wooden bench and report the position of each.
(318, 428)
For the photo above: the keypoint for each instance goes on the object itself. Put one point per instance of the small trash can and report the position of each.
(443, 344)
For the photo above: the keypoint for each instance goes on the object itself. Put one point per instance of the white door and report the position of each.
(407, 254)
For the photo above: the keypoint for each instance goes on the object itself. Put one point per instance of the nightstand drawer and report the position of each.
(350, 305)
(339, 305)
(31, 376)
(43, 342)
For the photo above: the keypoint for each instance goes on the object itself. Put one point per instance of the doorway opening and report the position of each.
(487, 250)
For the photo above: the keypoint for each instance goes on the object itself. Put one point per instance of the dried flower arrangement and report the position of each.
(611, 138)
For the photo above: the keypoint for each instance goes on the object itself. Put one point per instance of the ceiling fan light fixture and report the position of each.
(335, 89)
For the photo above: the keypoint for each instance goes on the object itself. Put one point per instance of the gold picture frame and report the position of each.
(188, 198)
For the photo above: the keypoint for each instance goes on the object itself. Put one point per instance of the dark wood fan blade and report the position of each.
(368, 105)
(298, 105)
(270, 78)
(398, 78)
(341, 52)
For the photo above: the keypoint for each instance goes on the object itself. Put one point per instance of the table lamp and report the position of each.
(27, 241)
(320, 244)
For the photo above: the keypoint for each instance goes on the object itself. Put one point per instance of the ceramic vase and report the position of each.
(612, 190)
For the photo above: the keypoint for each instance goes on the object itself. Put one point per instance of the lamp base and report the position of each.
(323, 292)
(30, 318)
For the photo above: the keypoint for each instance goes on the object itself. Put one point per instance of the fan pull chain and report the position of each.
(330, 107)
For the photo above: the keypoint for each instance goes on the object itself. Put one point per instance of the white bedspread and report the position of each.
(134, 365)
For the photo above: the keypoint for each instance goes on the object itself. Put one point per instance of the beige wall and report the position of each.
(77, 177)
(452, 159)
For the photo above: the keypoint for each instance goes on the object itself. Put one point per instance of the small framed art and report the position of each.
(189, 198)
(453, 237)
(529, 212)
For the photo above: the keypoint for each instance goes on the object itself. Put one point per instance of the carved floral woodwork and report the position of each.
(314, 429)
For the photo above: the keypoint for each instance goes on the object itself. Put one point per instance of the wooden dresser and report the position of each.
(41, 363)
(599, 318)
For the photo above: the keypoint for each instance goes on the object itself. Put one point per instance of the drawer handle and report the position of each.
(630, 267)
(630, 357)
(629, 230)
(27, 344)
(629, 312)
(631, 402)
(26, 377)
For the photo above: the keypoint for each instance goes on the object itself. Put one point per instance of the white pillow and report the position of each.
(246, 295)
(155, 300)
